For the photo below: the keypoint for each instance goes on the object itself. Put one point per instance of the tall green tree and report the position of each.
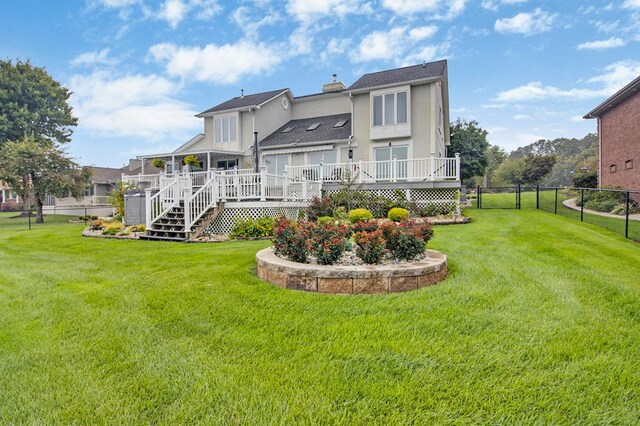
(495, 157)
(33, 104)
(36, 169)
(468, 139)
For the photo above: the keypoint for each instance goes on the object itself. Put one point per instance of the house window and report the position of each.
(276, 163)
(390, 109)
(329, 169)
(226, 129)
(628, 164)
(385, 168)
(226, 164)
(613, 168)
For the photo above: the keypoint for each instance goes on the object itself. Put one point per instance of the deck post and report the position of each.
(360, 171)
(187, 211)
(147, 209)
(263, 183)
(321, 172)
(304, 190)
(285, 183)
(457, 166)
(432, 161)
(223, 186)
(394, 168)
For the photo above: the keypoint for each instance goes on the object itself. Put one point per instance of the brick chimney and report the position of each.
(334, 86)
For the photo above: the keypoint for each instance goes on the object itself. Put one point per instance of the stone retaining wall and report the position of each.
(361, 279)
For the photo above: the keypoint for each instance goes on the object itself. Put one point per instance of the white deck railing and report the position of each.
(417, 169)
(237, 185)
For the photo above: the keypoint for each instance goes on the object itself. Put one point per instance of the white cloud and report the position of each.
(443, 9)
(607, 27)
(631, 4)
(94, 58)
(602, 44)
(136, 106)
(251, 24)
(220, 64)
(334, 48)
(535, 22)
(494, 5)
(115, 4)
(307, 11)
(175, 11)
(380, 45)
(521, 117)
(399, 45)
(616, 76)
(421, 33)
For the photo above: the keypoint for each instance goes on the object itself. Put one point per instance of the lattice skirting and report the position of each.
(421, 196)
(238, 211)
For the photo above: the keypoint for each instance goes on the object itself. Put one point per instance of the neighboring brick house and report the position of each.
(619, 138)
(10, 201)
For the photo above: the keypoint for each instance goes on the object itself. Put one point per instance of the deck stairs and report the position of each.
(170, 227)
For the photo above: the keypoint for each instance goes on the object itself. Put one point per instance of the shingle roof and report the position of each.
(245, 101)
(105, 174)
(616, 99)
(300, 135)
(400, 75)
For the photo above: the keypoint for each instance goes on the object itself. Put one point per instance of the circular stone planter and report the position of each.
(360, 279)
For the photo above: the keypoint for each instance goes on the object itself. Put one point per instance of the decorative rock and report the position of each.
(360, 279)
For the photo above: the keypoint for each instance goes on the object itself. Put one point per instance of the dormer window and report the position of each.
(390, 109)
(313, 127)
(226, 129)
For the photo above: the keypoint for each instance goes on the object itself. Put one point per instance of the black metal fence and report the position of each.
(615, 210)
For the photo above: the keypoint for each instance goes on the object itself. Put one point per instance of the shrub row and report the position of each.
(326, 241)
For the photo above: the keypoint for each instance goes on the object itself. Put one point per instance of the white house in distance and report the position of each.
(389, 130)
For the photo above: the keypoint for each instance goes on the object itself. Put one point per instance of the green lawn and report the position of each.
(538, 323)
(548, 202)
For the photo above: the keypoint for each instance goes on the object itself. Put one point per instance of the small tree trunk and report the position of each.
(39, 215)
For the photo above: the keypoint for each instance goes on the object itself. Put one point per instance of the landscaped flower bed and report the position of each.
(337, 256)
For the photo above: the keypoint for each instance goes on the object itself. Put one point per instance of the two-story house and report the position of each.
(619, 138)
(387, 131)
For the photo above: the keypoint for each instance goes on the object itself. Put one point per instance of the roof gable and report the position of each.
(431, 70)
(616, 99)
(245, 101)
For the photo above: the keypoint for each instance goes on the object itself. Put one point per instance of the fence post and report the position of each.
(555, 205)
(626, 222)
(582, 205)
(478, 195)
(537, 197)
(263, 183)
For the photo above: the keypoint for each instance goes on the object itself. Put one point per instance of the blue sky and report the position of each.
(141, 69)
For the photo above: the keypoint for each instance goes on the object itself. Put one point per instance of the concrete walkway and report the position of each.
(571, 204)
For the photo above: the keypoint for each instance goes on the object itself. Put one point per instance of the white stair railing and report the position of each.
(158, 204)
(201, 201)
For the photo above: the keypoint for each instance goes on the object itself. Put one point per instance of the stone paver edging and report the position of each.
(361, 279)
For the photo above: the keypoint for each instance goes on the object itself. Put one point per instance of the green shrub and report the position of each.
(319, 207)
(291, 240)
(139, 228)
(253, 228)
(397, 214)
(328, 242)
(112, 228)
(370, 246)
(359, 215)
(402, 240)
(325, 219)
(191, 160)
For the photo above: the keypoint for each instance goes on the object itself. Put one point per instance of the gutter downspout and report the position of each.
(256, 152)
